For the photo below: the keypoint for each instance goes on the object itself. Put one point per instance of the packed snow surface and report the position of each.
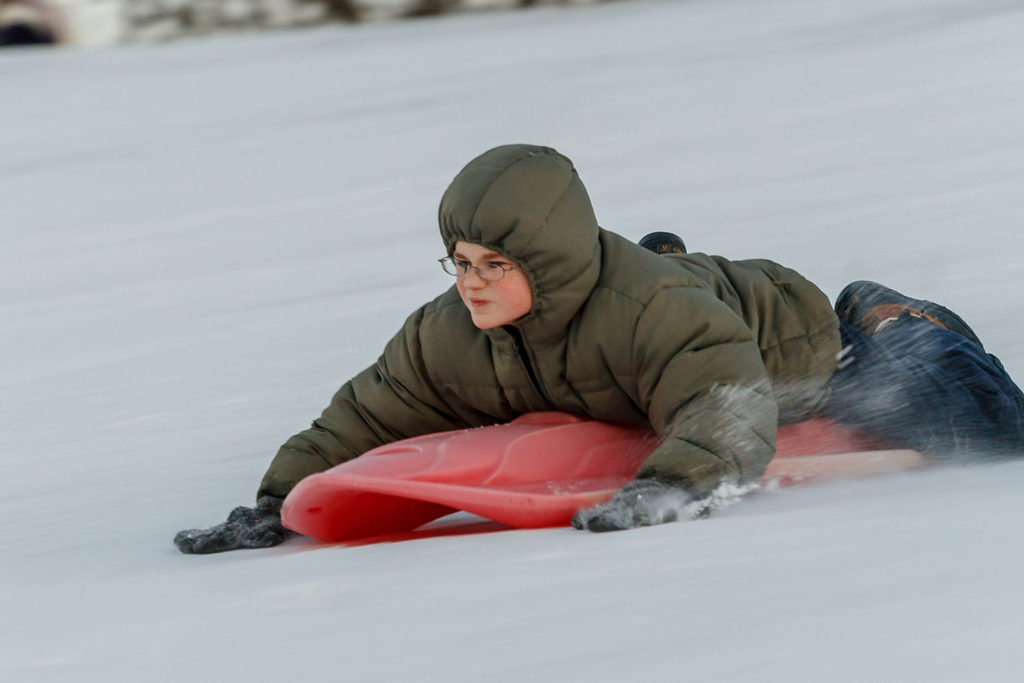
(202, 240)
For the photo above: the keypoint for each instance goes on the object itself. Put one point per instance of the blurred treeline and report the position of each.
(103, 22)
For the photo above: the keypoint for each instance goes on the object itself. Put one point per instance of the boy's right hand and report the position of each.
(258, 527)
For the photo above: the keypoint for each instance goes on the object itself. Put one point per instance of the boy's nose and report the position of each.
(473, 280)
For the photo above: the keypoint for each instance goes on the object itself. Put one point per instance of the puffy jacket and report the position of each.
(706, 351)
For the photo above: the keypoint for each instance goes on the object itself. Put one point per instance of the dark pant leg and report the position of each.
(927, 388)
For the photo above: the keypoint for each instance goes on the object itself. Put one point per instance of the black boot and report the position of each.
(663, 243)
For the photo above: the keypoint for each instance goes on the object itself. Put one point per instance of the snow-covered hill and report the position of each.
(201, 241)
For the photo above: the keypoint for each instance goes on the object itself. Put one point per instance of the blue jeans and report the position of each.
(924, 387)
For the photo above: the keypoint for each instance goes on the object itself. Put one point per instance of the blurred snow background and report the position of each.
(202, 240)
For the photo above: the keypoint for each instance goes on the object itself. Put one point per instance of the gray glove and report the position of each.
(643, 502)
(258, 527)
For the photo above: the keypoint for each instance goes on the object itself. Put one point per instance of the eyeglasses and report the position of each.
(491, 271)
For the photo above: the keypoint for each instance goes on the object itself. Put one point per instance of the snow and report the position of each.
(202, 240)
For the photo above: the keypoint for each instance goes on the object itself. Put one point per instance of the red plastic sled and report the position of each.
(535, 472)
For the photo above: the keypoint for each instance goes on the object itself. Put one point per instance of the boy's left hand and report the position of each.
(643, 502)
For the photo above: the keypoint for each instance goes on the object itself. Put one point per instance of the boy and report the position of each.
(552, 312)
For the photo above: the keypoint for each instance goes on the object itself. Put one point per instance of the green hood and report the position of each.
(528, 203)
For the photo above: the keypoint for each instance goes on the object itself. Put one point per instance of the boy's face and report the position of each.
(492, 303)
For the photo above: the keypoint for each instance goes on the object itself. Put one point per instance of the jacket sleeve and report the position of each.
(391, 400)
(705, 391)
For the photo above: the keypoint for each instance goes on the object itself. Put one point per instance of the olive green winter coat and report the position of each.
(706, 351)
